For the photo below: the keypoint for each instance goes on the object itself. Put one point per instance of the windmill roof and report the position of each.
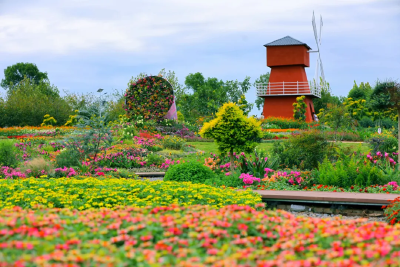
(286, 41)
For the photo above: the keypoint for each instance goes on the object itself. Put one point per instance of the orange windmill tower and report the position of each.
(287, 58)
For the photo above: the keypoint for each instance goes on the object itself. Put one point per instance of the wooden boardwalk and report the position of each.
(327, 197)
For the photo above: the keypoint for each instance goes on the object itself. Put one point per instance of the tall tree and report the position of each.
(264, 78)
(205, 96)
(387, 95)
(16, 73)
(362, 91)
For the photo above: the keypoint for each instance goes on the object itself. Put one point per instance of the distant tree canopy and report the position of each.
(208, 95)
(16, 73)
(362, 91)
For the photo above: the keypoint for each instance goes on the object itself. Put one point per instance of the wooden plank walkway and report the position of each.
(327, 197)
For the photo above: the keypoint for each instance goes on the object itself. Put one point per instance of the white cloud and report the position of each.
(64, 26)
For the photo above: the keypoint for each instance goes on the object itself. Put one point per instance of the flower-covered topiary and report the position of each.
(150, 97)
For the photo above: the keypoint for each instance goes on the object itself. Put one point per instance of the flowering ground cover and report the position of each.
(191, 236)
(86, 193)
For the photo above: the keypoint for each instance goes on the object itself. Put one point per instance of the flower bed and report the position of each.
(191, 236)
(85, 193)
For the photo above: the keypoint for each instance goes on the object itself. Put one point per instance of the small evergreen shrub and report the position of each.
(154, 159)
(194, 172)
(8, 154)
(67, 158)
(349, 171)
(366, 122)
(303, 151)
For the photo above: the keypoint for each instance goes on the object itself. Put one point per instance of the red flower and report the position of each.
(100, 173)
(243, 227)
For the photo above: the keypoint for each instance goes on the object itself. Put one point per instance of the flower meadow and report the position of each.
(88, 193)
(191, 236)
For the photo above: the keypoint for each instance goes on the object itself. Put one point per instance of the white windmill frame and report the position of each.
(319, 70)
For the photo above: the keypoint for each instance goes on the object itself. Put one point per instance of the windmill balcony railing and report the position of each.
(287, 88)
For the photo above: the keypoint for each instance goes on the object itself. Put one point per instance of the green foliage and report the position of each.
(128, 131)
(155, 159)
(336, 116)
(244, 105)
(173, 142)
(299, 111)
(181, 118)
(16, 73)
(68, 158)
(264, 78)
(362, 91)
(96, 137)
(303, 151)
(222, 179)
(384, 142)
(208, 95)
(27, 103)
(194, 172)
(366, 122)
(232, 131)
(326, 98)
(257, 166)
(282, 123)
(349, 171)
(8, 154)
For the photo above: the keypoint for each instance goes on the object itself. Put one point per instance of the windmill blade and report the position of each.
(322, 68)
(315, 30)
(320, 29)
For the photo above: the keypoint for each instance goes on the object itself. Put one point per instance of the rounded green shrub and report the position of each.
(194, 172)
(67, 158)
(8, 154)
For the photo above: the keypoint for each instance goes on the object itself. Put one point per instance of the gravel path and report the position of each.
(320, 215)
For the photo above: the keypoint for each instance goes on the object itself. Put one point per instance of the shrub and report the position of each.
(304, 150)
(67, 158)
(8, 154)
(366, 122)
(38, 167)
(155, 159)
(349, 171)
(383, 142)
(284, 123)
(194, 172)
(181, 118)
(233, 131)
(173, 142)
(222, 179)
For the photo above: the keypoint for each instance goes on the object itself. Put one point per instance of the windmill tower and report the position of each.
(288, 58)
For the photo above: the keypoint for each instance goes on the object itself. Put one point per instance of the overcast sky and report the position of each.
(84, 45)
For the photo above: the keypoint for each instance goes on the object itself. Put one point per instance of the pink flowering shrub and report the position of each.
(249, 179)
(64, 172)
(10, 173)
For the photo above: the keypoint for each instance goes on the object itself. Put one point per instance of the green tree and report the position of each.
(363, 91)
(326, 97)
(28, 102)
(16, 73)
(244, 105)
(232, 131)
(205, 96)
(336, 116)
(264, 78)
(386, 95)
